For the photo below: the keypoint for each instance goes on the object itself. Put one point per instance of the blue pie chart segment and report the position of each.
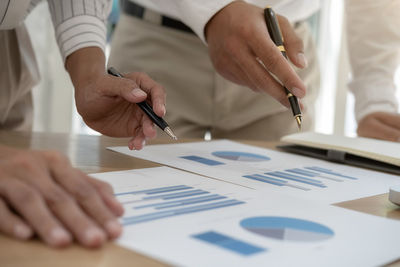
(240, 156)
(287, 229)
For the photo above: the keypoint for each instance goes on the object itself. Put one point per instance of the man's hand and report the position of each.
(107, 103)
(380, 125)
(41, 193)
(238, 39)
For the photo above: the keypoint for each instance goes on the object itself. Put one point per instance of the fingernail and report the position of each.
(59, 236)
(302, 60)
(138, 92)
(113, 228)
(22, 232)
(94, 236)
(297, 92)
(163, 110)
(143, 143)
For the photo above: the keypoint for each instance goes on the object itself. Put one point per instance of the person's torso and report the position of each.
(13, 12)
(294, 10)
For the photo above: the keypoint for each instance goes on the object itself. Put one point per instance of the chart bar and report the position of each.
(156, 205)
(178, 195)
(312, 174)
(180, 211)
(297, 178)
(319, 169)
(229, 243)
(156, 190)
(266, 179)
(274, 181)
(191, 201)
(303, 172)
(204, 161)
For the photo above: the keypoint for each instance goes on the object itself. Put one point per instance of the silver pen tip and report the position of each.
(170, 133)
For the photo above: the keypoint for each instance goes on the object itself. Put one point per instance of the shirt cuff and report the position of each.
(80, 32)
(374, 98)
(196, 14)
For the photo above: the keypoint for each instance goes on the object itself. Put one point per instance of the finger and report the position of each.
(139, 138)
(373, 128)
(77, 203)
(153, 89)
(12, 225)
(76, 184)
(293, 44)
(107, 194)
(274, 62)
(71, 215)
(138, 142)
(28, 202)
(149, 129)
(260, 77)
(127, 89)
(230, 70)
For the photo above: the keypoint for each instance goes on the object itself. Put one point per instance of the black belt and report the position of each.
(136, 10)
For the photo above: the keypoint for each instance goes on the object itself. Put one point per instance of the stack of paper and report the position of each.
(187, 219)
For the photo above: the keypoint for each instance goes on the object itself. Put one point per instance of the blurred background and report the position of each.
(53, 96)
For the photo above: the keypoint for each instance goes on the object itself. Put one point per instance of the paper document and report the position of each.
(269, 170)
(189, 220)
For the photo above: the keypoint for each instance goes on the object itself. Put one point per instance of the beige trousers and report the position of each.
(198, 98)
(18, 74)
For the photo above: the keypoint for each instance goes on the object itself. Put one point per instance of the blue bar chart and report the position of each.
(162, 202)
(229, 243)
(202, 160)
(240, 156)
(304, 179)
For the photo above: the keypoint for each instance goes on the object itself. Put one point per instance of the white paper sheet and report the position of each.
(257, 229)
(246, 165)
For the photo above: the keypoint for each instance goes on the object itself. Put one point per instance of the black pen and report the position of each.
(276, 36)
(148, 110)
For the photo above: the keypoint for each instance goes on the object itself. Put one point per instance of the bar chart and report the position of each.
(232, 244)
(162, 202)
(305, 178)
(240, 156)
(203, 160)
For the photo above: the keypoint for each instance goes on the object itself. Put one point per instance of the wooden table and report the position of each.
(89, 154)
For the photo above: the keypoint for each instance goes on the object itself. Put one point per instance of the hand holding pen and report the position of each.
(276, 36)
(148, 110)
(237, 36)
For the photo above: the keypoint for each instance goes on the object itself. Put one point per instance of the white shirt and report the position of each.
(373, 29)
(196, 14)
(77, 23)
(374, 39)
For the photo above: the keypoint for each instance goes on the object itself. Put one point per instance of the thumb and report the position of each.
(127, 89)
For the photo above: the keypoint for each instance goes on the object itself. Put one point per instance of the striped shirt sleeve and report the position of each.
(79, 23)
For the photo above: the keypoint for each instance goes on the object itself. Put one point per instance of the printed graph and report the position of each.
(162, 202)
(287, 229)
(203, 160)
(305, 178)
(240, 156)
(232, 244)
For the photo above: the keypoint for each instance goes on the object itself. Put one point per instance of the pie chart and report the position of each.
(240, 156)
(287, 229)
